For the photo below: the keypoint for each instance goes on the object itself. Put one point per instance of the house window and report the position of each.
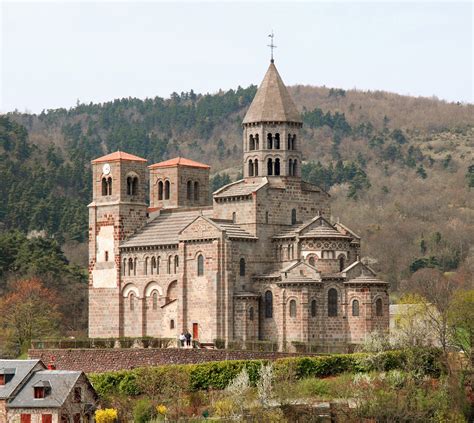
(38, 392)
(313, 308)
(268, 304)
(242, 267)
(378, 308)
(293, 308)
(46, 418)
(2, 380)
(332, 302)
(167, 190)
(25, 418)
(155, 300)
(77, 394)
(76, 418)
(200, 265)
(251, 314)
(355, 308)
(171, 324)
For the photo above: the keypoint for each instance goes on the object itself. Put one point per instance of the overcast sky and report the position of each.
(54, 53)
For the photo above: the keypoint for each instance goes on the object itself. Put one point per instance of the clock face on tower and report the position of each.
(106, 169)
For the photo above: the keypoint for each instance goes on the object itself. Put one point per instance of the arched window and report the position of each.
(132, 301)
(167, 190)
(378, 307)
(256, 142)
(355, 307)
(332, 302)
(176, 263)
(312, 261)
(270, 167)
(266, 217)
(153, 265)
(293, 142)
(158, 262)
(255, 167)
(269, 141)
(277, 141)
(196, 191)
(277, 167)
(250, 168)
(341, 263)
(145, 266)
(242, 267)
(109, 186)
(292, 308)
(268, 304)
(251, 314)
(130, 266)
(295, 169)
(124, 266)
(289, 141)
(129, 185)
(160, 190)
(104, 187)
(135, 267)
(154, 298)
(290, 167)
(234, 217)
(171, 324)
(169, 264)
(251, 143)
(293, 216)
(200, 265)
(189, 188)
(313, 308)
(135, 186)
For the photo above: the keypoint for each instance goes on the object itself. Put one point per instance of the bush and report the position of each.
(108, 415)
(313, 387)
(143, 411)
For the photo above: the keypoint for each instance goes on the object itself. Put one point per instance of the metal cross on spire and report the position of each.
(271, 45)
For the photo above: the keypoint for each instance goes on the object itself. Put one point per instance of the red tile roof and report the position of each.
(179, 161)
(118, 155)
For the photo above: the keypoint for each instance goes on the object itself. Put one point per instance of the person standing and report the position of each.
(182, 338)
(188, 338)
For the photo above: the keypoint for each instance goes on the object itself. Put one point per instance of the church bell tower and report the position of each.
(271, 130)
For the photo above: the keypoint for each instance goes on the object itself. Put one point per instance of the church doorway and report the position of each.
(195, 331)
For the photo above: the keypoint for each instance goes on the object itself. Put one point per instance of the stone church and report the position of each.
(262, 261)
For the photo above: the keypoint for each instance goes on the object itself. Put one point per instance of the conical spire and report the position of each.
(272, 103)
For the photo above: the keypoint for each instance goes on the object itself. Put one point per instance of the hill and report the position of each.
(399, 168)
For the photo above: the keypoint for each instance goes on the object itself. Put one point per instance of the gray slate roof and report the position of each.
(233, 230)
(241, 188)
(324, 231)
(61, 381)
(164, 229)
(364, 279)
(22, 369)
(272, 103)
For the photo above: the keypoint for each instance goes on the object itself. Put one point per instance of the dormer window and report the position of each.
(2, 380)
(41, 389)
(39, 392)
(6, 375)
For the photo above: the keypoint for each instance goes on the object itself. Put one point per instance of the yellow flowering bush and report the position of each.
(161, 409)
(107, 415)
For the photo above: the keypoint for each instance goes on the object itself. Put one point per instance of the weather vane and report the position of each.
(271, 45)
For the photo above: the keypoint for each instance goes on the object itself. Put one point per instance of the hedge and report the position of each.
(217, 375)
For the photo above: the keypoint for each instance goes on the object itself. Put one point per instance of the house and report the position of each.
(32, 393)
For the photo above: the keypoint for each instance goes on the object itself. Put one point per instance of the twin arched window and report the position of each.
(292, 167)
(132, 185)
(268, 300)
(164, 190)
(242, 267)
(106, 186)
(291, 142)
(332, 302)
(292, 308)
(253, 142)
(192, 191)
(200, 265)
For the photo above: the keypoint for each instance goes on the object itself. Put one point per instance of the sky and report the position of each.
(54, 54)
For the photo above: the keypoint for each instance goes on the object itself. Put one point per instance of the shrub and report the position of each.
(143, 411)
(312, 387)
(108, 415)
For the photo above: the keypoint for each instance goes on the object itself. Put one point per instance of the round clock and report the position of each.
(106, 169)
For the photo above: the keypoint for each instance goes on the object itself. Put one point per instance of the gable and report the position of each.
(200, 228)
(357, 269)
(301, 268)
(318, 223)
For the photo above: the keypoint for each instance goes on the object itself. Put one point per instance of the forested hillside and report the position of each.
(400, 169)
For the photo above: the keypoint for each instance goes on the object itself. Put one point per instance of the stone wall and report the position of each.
(102, 360)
